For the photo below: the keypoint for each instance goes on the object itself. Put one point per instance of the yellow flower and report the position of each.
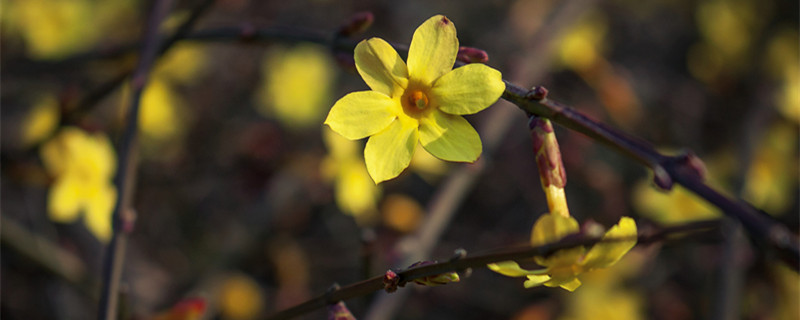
(297, 85)
(83, 166)
(421, 101)
(355, 193)
(41, 121)
(563, 267)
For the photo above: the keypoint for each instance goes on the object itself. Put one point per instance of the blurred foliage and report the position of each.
(240, 197)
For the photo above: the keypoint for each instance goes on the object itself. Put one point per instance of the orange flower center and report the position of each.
(418, 99)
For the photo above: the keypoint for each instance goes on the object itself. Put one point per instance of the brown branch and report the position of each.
(686, 170)
(461, 262)
(126, 163)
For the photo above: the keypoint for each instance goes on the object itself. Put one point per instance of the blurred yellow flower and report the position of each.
(158, 118)
(52, 29)
(41, 121)
(183, 64)
(581, 46)
(783, 54)
(673, 207)
(421, 102)
(82, 166)
(240, 298)
(770, 182)
(563, 267)
(727, 30)
(603, 295)
(297, 85)
(402, 213)
(355, 193)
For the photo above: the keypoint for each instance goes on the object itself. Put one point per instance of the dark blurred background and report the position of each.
(246, 200)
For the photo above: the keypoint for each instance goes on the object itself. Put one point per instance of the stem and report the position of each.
(126, 162)
(480, 261)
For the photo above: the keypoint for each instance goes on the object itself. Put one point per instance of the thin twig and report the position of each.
(480, 261)
(126, 164)
(668, 170)
(85, 105)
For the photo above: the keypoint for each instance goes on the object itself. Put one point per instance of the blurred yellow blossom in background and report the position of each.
(582, 44)
(164, 114)
(673, 207)
(240, 298)
(82, 166)
(159, 120)
(52, 29)
(727, 29)
(603, 295)
(402, 213)
(774, 169)
(41, 121)
(355, 193)
(783, 64)
(296, 85)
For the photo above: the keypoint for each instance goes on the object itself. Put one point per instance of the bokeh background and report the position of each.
(247, 202)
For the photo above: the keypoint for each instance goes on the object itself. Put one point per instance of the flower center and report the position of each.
(418, 98)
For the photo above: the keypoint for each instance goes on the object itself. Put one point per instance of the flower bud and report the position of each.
(339, 311)
(358, 23)
(472, 55)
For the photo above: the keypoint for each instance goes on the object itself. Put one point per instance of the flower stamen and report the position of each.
(419, 99)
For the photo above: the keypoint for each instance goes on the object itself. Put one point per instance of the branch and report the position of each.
(121, 218)
(686, 169)
(460, 263)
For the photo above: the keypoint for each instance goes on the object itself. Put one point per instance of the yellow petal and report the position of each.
(389, 152)
(433, 50)
(605, 254)
(361, 114)
(512, 269)
(536, 280)
(570, 286)
(381, 67)
(98, 211)
(449, 137)
(550, 228)
(468, 89)
(64, 201)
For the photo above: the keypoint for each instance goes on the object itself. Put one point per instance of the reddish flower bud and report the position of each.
(548, 154)
(390, 281)
(358, 23)
(472, 55)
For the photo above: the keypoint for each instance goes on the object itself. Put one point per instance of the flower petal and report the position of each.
(361, 114)
(468, 89)
(98, 211)
(433, 50)
(570, 286)
(605, 254)
(536, 280)
(512, 269)
(380, 66)
(64, 200)
(550, 228)
(449, 137)
(389, 152)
